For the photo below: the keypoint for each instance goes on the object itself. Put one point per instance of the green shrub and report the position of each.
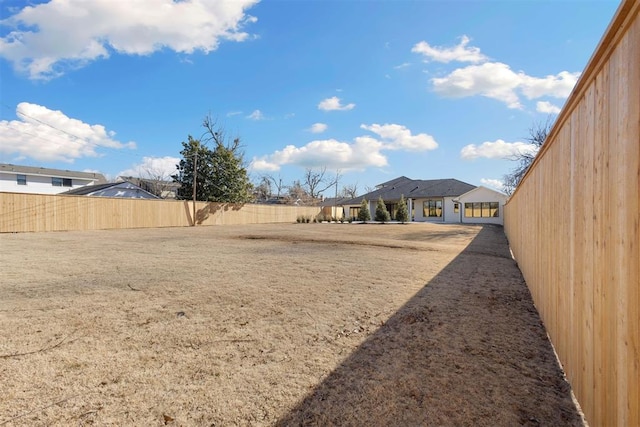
(364, 214)
(382, 214)
(402, 214)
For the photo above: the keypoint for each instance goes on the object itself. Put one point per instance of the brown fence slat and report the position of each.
(39, 212)
(574, 227)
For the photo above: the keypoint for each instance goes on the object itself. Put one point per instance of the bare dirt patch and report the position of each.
(302, 324)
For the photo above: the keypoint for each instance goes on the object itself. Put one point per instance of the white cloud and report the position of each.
(547, 107)
(48, 38)
(48, 135)
(233, 113)
(363, 152)
(558, 86)
(497, 81)
(401, 66)
(496, 184)
(498, 149)
(318, 127)
(493, 80)
(153, 167)
(334, 104)
(398, 137)
(459, 53)
(256, 115)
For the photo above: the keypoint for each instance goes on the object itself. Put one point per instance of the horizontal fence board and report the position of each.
(574, 227)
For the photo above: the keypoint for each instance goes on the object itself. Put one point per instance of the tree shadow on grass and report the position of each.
(468, 349)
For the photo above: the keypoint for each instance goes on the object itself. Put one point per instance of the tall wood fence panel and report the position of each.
(574, 227)
(41, 212)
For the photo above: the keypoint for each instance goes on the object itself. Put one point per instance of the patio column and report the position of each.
(410, 208)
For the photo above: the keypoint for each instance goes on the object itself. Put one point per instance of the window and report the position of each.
(61, 182)
(481, 210)
(21, 179)
(456, 207)
(432, 208)
(353, 212)
(391, 208)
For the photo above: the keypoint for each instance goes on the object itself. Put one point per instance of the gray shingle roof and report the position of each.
(415, 188)
(99, 190)
(58, 173)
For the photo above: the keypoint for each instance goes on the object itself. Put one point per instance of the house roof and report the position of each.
(481, 187)
(332, 201)
(100, 190)
(169, 185)
(393, 182)
(415, 189)
(58, 173)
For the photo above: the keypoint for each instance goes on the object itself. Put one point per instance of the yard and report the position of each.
(295, 324)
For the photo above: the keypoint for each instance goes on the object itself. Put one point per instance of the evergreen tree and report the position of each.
(220, 176)
(190, 150)
(230, 183)
(364, 214)
(402, 214)
(382, 214)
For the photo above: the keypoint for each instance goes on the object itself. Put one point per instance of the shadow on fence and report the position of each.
(468, 349)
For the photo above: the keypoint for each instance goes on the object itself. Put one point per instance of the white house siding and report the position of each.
(37, 184)
(448, 215)
(483, 194)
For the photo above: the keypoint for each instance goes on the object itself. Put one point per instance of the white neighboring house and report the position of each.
(35, 180)
(435, 200)
(482, 205)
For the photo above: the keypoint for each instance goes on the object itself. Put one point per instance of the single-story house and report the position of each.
(122, 189)
(36, 180)
(162, 189)
(333, 207)
(436, 200)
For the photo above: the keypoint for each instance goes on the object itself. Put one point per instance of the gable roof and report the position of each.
(415, 189)
(112, 189)
(481, 187)
(58, 173)
(393, 182)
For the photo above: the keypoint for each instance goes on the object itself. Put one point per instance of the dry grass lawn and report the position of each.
(295, 324)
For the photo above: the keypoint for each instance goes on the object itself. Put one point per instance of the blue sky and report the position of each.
(375, 89)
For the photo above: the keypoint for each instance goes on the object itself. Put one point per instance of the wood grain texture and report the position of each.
(574, 227)
(39, 212)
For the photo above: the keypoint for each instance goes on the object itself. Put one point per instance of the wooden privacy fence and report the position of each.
(40, 212)
(574, 227)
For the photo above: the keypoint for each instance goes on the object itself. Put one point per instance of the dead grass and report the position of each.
(305, 324)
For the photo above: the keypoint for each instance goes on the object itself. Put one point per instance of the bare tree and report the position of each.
(350, 190)
(537, 136)
(277, 182)
(263, 189)
(158, 182)
(297, 193)
(317, 181)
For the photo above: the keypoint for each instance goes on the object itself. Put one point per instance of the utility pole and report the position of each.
(195, 174)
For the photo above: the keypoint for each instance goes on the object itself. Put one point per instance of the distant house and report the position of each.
(333, 207)
(35, 180)
(162, 189)
(435, 200)
(113, 189)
